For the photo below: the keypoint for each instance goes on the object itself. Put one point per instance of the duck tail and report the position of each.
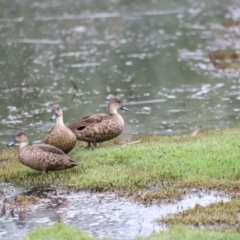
(74, 163)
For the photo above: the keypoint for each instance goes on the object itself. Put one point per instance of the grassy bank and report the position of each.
(63, 232)
(210, 160)
(224, 216)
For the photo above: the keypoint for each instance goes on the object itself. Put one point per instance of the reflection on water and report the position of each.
(100, 214)
(152, 54)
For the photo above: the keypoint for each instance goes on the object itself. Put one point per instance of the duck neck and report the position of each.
(59, 120)
(23, 144)
(112, 111)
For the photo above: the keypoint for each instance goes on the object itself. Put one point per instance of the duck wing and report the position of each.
(49, 149)
(88, 120)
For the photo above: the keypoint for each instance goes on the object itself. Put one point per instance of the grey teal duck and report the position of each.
(41, 157)
(100, 127)
(60, 136)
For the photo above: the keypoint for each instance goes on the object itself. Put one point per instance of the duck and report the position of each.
(100, 127)
(41, 157)
(60, 136)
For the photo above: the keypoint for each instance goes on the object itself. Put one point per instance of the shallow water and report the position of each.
(152, 54)
(100, 214)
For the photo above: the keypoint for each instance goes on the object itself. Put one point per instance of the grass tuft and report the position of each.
(224, 215)
(59, 231)
(180, 232)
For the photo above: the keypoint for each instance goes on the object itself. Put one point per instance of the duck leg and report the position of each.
(91, 145)
(88, 146)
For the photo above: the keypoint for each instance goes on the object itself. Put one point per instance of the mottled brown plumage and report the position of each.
(41, 157)
(60, 136)
(100, 127)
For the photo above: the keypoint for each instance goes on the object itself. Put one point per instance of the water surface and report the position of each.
(100, 214)
(152, 54)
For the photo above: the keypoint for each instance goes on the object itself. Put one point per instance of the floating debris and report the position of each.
(225, 59)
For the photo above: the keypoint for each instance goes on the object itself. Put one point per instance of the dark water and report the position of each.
(100, 214)
(152, 54)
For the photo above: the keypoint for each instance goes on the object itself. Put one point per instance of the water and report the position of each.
(99, 214)
(152, 54)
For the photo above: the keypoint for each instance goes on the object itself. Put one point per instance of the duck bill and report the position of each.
(53, 117)
(13, 142)
(124, 108)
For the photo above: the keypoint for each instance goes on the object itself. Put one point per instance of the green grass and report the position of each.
(210, 159)
(63, 232)
(213, 215)
(180, 233)
(59, 232)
